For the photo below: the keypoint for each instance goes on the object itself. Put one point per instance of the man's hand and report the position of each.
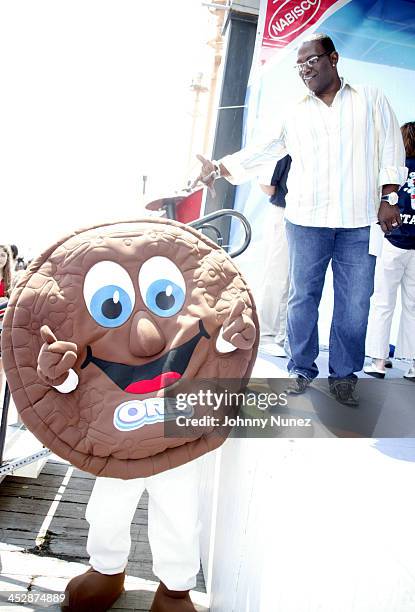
(389, 216)
(269, 190)
(55, 359)
(207, 175)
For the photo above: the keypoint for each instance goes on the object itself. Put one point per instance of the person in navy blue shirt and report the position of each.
(396, 268)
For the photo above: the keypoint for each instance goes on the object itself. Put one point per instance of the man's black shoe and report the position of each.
(343, 390)
(297, 384)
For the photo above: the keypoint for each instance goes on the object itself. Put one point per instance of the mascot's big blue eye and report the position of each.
(110, 306)
(162, 286)
(109, 294)
(164, 298)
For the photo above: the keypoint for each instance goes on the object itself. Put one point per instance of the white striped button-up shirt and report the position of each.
(342, 155)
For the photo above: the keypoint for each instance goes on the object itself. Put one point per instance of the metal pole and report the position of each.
(4, 413)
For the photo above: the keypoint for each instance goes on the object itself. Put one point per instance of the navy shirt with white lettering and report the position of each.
(403, 237)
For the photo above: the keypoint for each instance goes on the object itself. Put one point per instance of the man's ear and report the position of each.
(334, 58)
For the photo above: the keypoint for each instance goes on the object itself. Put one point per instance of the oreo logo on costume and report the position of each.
(134, 414)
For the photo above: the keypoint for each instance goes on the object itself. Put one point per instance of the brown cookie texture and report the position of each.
(144, 302)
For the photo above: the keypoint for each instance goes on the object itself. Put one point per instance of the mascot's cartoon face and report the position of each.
(110, 319)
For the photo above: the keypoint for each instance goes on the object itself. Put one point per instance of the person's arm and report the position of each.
(269, 190)
(389, 216)
(243, 165)
(393, 172)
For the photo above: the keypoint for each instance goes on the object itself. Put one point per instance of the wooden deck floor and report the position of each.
(43, 539)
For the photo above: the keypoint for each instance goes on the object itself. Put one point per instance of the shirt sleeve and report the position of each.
(392, 168)
(267, 174)
(251, 161)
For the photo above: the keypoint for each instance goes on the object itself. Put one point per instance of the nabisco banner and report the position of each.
(284, 20)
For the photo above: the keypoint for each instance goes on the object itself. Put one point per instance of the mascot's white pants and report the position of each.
(173, 524)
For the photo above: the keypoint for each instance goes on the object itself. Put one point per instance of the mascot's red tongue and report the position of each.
(153, 384)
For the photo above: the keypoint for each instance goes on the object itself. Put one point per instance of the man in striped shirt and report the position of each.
(348, 162)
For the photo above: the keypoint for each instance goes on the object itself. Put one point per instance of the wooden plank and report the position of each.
(80, 484)
(30, 522)
(24, 522)
(48, 480)
(77, 497)
(24, 541)
(61, 547)
(9, 531)
(69, 550)
(70, 497)
(66, 508)
(60, 469)
(141, 535)
(63, 526)
(15, 490)
(25, 506)
(55, 481)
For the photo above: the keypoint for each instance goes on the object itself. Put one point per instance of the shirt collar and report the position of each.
(311, 94)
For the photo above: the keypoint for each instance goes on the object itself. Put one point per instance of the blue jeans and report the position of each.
(310, 251)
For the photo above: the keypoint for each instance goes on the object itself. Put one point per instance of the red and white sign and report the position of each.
(285, 20)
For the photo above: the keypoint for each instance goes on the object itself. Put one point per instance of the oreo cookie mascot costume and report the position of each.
(101, 326)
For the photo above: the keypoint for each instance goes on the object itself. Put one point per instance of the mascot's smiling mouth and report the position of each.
(151, 376)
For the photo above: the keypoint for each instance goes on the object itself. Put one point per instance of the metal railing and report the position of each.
(204, 223)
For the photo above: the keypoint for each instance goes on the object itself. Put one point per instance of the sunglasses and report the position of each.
(312, 61)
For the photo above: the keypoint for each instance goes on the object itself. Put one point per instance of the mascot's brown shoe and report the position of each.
(93, 592)
(171, 601)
